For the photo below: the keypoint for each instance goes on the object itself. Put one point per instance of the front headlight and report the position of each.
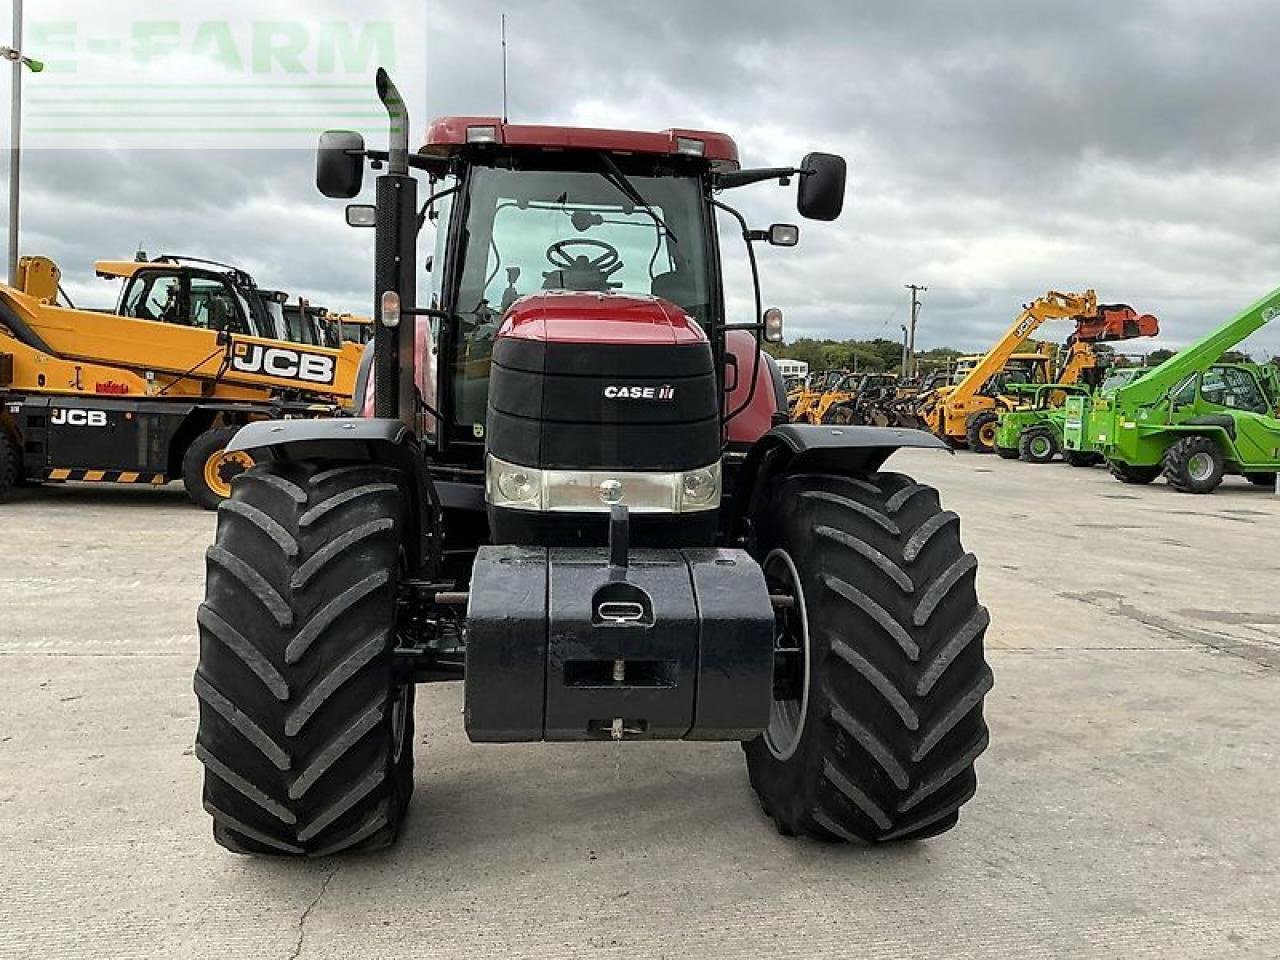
(517, 487)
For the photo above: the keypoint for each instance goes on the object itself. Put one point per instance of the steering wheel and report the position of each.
(607, 262)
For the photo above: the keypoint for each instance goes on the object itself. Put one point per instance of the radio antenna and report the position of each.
(504, 68)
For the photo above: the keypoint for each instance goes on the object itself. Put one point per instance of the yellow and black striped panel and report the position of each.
(106, 476)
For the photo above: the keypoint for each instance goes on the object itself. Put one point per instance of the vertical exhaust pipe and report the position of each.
(395, 254)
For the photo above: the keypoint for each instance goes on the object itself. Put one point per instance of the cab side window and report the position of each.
(1233, 388)
(154, 295)
(214, 307)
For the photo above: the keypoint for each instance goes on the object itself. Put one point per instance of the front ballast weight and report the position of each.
(609, 644)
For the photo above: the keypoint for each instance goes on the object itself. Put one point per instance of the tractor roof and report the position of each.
(450, 135)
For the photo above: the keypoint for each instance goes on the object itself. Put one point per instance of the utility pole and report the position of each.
(903, 327)
(916, 290)
(14, 55)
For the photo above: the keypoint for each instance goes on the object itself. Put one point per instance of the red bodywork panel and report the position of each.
(449, 134)
(565, 316)
(757, 419)
(1116, 321)
(614, 318)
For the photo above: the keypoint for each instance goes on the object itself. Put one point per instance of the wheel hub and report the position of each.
(791, 658)
(1200, 467)
(223, 467)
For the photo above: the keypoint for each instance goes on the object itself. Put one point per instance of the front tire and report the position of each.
(1007, 453)
(980, 431)
(1078, 458)
(305, 734)
(839, 416)
(1038, 445)
(1194, 465)
(1129, 473)
(875, 739)
(207, 468)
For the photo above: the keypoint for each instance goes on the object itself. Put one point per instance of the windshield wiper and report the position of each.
(613, 173)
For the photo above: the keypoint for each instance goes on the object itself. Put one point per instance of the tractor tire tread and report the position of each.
(898, 671)
(295, 682)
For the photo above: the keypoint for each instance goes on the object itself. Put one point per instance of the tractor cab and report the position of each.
(549, 229)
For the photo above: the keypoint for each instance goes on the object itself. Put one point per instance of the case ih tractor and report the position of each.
(579, 492)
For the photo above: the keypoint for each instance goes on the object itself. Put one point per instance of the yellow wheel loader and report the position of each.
(155, 391)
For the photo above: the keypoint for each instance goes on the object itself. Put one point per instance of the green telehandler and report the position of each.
(1192, 419)
(1036, 430)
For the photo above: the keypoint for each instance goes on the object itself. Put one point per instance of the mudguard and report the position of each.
(804, 448)
(385, 442)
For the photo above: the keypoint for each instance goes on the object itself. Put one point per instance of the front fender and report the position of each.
(299, 439)
(808, 448)
(384, 442)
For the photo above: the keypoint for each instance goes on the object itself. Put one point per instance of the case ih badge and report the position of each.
(637, 392)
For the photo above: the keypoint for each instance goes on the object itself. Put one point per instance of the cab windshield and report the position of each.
(534, 230)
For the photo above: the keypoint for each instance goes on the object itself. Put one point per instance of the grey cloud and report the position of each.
(997, 149)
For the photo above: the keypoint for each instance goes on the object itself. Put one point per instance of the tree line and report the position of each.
(880, 355)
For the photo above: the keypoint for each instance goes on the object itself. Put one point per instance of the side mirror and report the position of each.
(340, 164)
(362, 215)
(784, 235)
(822, 183)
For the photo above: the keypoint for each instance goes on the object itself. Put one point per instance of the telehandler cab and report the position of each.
(595, 509)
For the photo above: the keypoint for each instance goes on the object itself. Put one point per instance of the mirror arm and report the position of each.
(740, 178)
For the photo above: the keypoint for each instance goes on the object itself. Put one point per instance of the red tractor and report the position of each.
(579, 491)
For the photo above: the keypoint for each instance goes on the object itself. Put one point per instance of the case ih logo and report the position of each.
(625, 392)
(279, 362)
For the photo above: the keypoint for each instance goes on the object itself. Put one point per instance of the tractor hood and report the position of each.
(564, 316)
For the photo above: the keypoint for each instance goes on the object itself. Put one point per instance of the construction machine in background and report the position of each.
(1194, 418)
(1032, 428)
(802, 401)
(866, 402)
(967, 414)
(155, 391)
(608, 527)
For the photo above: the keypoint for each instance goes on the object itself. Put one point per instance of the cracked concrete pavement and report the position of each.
(1126, 806)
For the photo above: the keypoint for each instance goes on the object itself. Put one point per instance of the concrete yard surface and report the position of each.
(1127, 805)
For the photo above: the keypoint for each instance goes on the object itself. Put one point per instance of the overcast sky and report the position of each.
(997, 148)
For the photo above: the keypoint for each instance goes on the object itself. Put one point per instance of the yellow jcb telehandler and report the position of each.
(154, 391)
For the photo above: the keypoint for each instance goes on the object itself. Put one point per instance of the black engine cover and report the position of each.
(584, 406)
